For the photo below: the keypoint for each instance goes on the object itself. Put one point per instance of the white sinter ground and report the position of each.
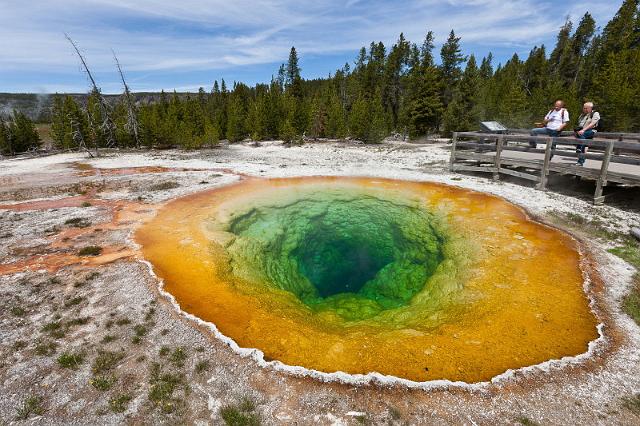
(557, 396)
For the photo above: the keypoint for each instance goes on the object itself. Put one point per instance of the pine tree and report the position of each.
(512, 110)
(5, 141)
(424, 107)
(560, 56)
(580, 43)
(336, 122)
(462, 113)
(452, 58)
(486, 67)
(22, 133)
(394, 73)
(60, 125)
(377, 128)
(96, 119)
(318, 119)
(257, 115)
(288, 132)
(294, 81)
(236, 120)
(616, 91)
(359, 119)
(621, 32)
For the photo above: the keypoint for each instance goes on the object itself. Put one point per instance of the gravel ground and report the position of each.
(93, 340)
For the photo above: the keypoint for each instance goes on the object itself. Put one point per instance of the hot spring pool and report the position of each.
(415, 280)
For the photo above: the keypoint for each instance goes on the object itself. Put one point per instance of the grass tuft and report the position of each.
(140, 330)
(241, 414)
(71, 360)
(109, 338)
(55, 329)
(72, 302)
(123, 321)
(19, 344)
(394, 413)
(78, 222)
(631, 302)
(163, 186)
(31, 406)
(526, 421)
(202, 366)
(179, 356)
(93, 276)
(629, 251)
(78, 321)
(106, 361)
(103, 383)
(18, 311)
(90, 251)
(46, 348)
(150, 313)
(163, 386)
(119, 403)
(594, 227)
(632, 403)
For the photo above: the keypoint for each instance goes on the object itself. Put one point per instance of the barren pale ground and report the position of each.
(92, 339)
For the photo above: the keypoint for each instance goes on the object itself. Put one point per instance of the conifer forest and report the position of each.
(408, 88)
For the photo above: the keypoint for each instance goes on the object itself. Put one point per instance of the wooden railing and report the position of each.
(491, 153)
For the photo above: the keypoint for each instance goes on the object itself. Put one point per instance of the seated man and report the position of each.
(587, 128)
(554, 122)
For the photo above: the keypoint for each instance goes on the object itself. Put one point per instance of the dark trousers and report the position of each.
(543, 131)
(581, 149)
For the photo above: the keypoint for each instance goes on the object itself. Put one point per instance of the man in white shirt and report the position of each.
(554, 122)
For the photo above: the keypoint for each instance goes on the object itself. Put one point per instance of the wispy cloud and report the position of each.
(164, 43)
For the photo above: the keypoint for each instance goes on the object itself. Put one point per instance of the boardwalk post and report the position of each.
(499, 142)
(545, 166)
(454, 142)
(602, 179)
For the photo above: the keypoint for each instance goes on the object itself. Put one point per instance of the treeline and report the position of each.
(398, 89)
(18, 134)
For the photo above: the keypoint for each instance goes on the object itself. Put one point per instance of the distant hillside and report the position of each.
(38, 106)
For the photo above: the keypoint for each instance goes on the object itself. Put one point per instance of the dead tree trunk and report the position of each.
(132, 118)
(107, 125)
(78, 137)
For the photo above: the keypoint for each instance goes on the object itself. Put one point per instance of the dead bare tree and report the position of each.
(78, 136)
(132, 118)
(107, 126)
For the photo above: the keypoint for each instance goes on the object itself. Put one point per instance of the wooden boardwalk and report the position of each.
(608, 160)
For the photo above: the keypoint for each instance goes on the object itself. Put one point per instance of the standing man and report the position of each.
(587, 128)
(554, 123)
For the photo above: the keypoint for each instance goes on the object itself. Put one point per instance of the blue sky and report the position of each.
(185, 44)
